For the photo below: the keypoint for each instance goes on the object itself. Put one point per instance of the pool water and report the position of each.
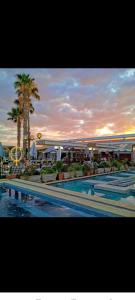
(123, 174)
(84, 186)
(112, 195)
(18, 202)
(102, 178)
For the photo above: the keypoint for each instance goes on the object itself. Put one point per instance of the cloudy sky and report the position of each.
(74, 103)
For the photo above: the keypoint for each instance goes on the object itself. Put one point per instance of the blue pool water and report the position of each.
(123, 174)
(18, 202)
(102, 178)
(84, 186)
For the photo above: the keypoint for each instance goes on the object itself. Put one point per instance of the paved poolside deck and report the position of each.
(105, 205)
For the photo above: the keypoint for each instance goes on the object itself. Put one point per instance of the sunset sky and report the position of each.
(74, 103)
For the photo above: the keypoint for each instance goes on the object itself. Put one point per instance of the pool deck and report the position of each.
(105, 205)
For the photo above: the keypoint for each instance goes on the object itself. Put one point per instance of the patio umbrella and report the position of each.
(2, 153)
(33, 151)
(49, 150)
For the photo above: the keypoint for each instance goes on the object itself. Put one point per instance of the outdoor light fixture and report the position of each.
(39, 135)
(92, 148)
(58, 147)
(16, 154)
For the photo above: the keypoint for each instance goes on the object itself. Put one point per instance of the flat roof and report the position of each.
(110, 142)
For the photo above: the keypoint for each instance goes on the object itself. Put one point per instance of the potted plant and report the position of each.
(65, 171)
(113, 164)
(86, 170)
(59, 169)
(119, 165)
(76, 169)
(108, 166)
(50, 174)
(95, 166)
(103, 165)
(125, 164)
(71, 171)
(11, 175)
(43, 171)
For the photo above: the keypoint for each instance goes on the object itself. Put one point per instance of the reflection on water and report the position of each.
(15, 203)
(16, 194)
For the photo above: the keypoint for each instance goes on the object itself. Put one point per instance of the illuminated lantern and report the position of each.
(16, 154)
(39, 135)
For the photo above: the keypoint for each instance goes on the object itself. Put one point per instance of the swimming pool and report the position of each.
(19, 202)
(123, 174)
(84, 186)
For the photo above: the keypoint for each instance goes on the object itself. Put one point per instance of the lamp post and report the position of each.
(69, 156)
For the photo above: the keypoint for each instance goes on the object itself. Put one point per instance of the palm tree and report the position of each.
(15, 116)
(31, 111)
(25, 87)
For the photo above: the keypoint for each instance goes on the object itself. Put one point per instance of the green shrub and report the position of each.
(119, 165)
(30, 170)
(86, 168)
(59, 166)
(124, 162)
(65, 168)
(47, 170)
(95, 165)
(116, 163)
(77, 166)
(103, 164)
(72, 170)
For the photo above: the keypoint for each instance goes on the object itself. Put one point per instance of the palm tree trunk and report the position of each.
(28, 131)
(25, 126)
(18, 131)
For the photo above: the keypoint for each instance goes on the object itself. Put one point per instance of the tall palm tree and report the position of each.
(31, 111)
(15, 116)
(25, 87)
